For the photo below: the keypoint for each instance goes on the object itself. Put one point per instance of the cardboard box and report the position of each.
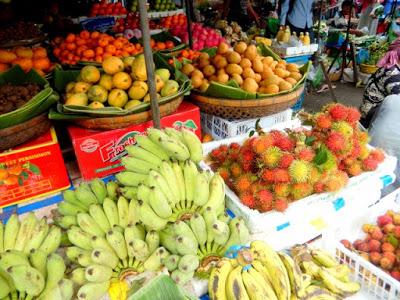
(99, 152)
(31, 170)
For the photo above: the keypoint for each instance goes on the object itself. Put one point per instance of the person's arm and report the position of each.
(251, 11)
(284, 11)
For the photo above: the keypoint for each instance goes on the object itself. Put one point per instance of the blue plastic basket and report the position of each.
(299, 103)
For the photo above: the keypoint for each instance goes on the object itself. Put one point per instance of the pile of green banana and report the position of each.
(206, 237)
(29, 266)
(259, 273)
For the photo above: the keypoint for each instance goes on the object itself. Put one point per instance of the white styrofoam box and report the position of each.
(220, 128)
(361, 192)
(375, 282)
(293, 51)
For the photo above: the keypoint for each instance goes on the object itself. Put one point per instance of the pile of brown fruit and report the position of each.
(13, 97)
(19, 31)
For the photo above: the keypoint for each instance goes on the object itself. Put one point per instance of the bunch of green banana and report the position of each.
(205, 236)
(82, 198)
(175, 190)
(29, 268)
(125, 248)
(318, 265)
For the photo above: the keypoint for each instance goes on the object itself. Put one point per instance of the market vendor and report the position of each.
(242, 12)
(385, 82)
(369, 16)
(297, 14)
(341, 19)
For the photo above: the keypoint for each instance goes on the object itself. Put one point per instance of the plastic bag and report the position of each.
(384, 129)
(315, 76)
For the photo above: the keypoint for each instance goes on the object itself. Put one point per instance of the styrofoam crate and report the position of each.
(285, 51)
(375, 282)
(220, 128)
(328, 208)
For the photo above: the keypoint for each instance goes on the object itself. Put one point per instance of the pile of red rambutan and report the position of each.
(273, 169)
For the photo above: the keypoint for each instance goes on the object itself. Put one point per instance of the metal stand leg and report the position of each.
(328, 82)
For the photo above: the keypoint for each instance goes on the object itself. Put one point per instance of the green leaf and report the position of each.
(34, 169)
(321, 157)
(393, 240)
(251, 133)
(258, 127)
(25, 174)
(233, 83)
(310, 140)
(20, 181)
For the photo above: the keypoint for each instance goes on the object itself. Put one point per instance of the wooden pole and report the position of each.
(148, 57)
(188, 7)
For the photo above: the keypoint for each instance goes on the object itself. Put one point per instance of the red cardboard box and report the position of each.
(98, 152)
(33, 169)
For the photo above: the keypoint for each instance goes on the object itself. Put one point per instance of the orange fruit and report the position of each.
(11, 180)
(41, 63)
(24, 52)
(110, 49)
(25, 63)
(84, 34)
(95, 35)
(7, 57)
(70, 38)
(71, 46)
(99, 51)
(88, 53)
(161, 45)
(3, 67)
(39, 52)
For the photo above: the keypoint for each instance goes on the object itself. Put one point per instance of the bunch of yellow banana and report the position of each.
(29, 268)
(205, 238)
(320, 266)
(260, 273)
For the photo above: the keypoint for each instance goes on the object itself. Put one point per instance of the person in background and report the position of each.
(385, 82)
(241, 11)
(368, 18)
(297, 14)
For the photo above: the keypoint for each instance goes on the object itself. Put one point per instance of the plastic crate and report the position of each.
(220, 128)
(375, 283)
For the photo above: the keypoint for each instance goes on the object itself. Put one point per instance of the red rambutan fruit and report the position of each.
(224, 173)
(248, 200)
(338, 112)
(236, 169)
(257, 186)
(268, 175)
(282, 189)
(319, 188)
(363, 137)
(249, 142)
(353, 115)
(247, 166)
(344, 128)
(271, 157)
(299, 170)
(262, 143)
(281, 176)
(234, 146)
(315, 175)
(285, 143)
(323, 121)
(233, 154)
(301, 190)
(369, 164)
(336, 142)
(333, 184)
(378, 155)
(354, 169)
(286, 160)
(243, 182)
(281, 204)
(264, 200)
(306, 154)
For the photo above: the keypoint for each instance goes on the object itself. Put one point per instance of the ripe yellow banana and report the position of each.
(217, 280)
(235, 289)
(323, 258)
(253, 287)
(338, 287)
(194, 145)
(268, 290)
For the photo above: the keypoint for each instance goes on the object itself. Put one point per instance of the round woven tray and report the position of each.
(110, 123)
(21, 133)
(368, 69)
(246, 109)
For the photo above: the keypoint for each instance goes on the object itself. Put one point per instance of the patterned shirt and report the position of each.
(383, 83)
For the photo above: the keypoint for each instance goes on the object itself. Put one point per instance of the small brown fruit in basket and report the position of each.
(291, 80)
(250, 85)
(280, 72)
(296, 75)
(268, 60)
(219, 61)
(204, 86)
(188, 69)
(223, 48)
(209, 70)
(197, 81)
(245, 63)
(271, 89)
(213, 78)
(251, 52)
(248, 73)
(257, 77)
(203, 63)
(292, 68)
(240, 47)
(81, 87)
(223, 78)
(273, 65)
(267, 72)
(258, 66)
(234, 69)
(284, 86)
(272, 80)
(237, 78)
(233, 57)
(197, 73)
(204, 55)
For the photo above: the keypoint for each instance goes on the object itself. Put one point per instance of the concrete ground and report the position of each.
(346, 93)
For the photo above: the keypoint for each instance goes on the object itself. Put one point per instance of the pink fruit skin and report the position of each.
(388, 228)
(377, 234)
(374, 246)
(384, 219)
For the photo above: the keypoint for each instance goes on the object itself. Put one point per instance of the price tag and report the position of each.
(318, 223)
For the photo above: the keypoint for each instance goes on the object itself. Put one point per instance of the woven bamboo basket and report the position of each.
(246, 109)
(21, 133)
(368, 69)
(110, 123)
